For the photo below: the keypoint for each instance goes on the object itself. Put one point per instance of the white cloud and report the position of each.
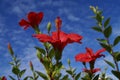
(69, 14)
(73, 18)
(116, 28)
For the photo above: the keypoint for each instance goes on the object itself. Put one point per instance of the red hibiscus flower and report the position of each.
(89, 55)
(4, 78)
(91, 71)
(34, 20)
(59, 39)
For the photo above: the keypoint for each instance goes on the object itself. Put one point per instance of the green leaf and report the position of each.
(106, 22)
(46, 63)
(12, 63)
(110, 64)
(22, 72)
(98, 29)
(77, 76)
(17, 61)
(39, 54)
(96, 77)
(12, 78)
(42, 75)
(69, 72)
(15, 70)
(116, 73)
(47, 45)
(36, 78)
(99, 18)
(107, 47)
(102, 40)
(117, 56)
(65, 77)
(26, 78)
(51, 53)
(108, 31)
(117, 40)
(40, 49)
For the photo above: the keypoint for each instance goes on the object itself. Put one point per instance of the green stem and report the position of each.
(112, 52)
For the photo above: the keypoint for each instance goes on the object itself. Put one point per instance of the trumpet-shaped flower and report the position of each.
(33, 21)
(89, 55)
(59, 39)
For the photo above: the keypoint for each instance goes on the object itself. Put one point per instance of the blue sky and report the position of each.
(76, 17)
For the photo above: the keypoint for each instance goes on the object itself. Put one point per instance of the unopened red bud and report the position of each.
(10, 49)
(4, 78)
(31, 65)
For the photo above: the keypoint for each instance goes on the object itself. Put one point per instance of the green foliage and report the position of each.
(106, 23)
(15, 70)
(110, 64)
(98, 29)
(12, 78)
(98, 17)
(96, 77)
(106, 46)
(116, 41)
(72, 72)
(108, 31)
(65, 77)
(42, 75)
(22, 72)
(40, 50)
(15, 63)
(77, 76)
(116, 73)
(51, 53)
(117, 56)
(105, 43)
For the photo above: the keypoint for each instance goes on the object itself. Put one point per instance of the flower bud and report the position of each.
(4, 78)
(49, 27)
(93, 9)
(31, 66)
(10, 49)
(68, 61)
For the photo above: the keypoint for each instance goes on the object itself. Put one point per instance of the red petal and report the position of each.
(43, 37)
(39, 17)
(54, 35)
(63, 36)
(24, 23)
(74, 38)
(32, 18)
(100, 51)
(82, 57)
(89, 51)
